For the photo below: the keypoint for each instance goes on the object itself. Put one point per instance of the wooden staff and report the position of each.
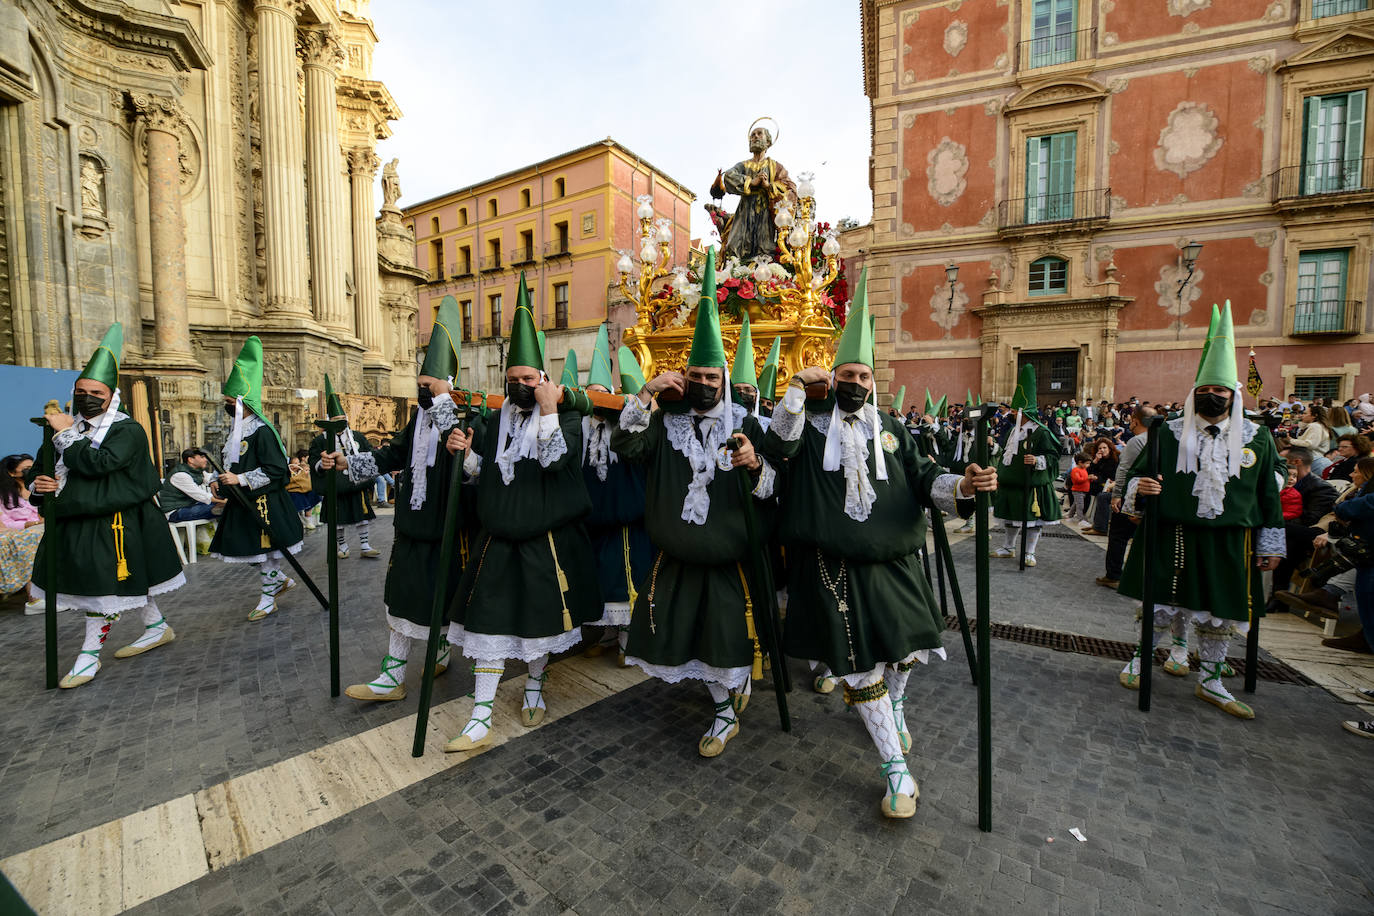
(49, 513)
(332, 428)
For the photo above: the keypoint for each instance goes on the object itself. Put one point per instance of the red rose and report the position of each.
(746, 290)
(722, 295)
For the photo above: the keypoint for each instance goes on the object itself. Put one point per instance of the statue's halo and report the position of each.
(776, 131)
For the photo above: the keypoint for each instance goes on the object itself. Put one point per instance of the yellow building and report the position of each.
(563, 221)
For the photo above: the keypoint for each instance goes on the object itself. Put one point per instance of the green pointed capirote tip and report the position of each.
(570, 374)
(333, 407)
(929, 408)
(856, 340)
(599, 372)
(899, 399)
(442, 354)
(707, 349)
(1211, 332)
(526, 348)
(631, 375)
(742, 372)
(768, 379)
(1218, 366)
(245, 379)
(1024, 399)
(942, 406)
(103, 366)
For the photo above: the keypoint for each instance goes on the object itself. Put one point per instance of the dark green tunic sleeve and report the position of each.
(104, 480)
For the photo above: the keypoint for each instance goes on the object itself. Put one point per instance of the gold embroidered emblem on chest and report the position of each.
(889, 441)
(1248, 458)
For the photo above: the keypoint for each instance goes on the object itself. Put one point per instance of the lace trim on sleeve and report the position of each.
(787, 422)
(444, 413)
(553, 446)
(1272, 543)
(362, 467)
(256, 479)
(66, 437)
(472, 464)
(1040, 464)
(944, 491)
(635, 417)
(767, 477)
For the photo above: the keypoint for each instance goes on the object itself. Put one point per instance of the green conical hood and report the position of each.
(742, 372)
(929, 409)
(1024, 399)
(103, 366)
(1211, 332)
(942, 405)
(707, 350)
(1218, 366)
(768, 380)
(442, 353)
(570, 374)
(333, 407)
(526, 349)
(968, 398)
(600, 371)
(245, 379)
(856, 341)
(631, 376)
(899, 399)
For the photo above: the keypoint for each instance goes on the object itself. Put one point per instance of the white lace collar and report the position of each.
(703, 458)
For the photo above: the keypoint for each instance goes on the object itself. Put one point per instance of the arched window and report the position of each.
(462, 216)
(491, 207)
(1048, 276)
(434, 225)
(525, 198)
(560, 187)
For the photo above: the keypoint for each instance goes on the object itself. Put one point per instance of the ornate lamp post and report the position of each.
(951, 274)
(1191, 252)
(638, 275)
(796, 234)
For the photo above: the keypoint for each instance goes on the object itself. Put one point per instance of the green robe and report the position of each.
(412, 571)
(531, 582)
(891, 612)
(238, 539)
(1017, 480)
(114, 546)
(691, 617)
(1208, 564)
(355, 497)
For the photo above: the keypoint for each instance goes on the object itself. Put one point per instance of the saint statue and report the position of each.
(91, 179)
(760, 183)
(391, 185)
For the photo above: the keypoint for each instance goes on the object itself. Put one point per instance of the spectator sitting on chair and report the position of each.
(1350, 448)
(1318, 497)
(1324, 599)
(185, 495)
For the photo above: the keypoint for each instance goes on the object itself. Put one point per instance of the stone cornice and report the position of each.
(121, 26)
(372, 92)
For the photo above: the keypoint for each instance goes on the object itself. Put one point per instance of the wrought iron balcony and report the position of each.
(1325, 316)
(1054, 212)
(522, 254)
(558, 249)
(1059, 48)
(460, 271)
(490, 263)
(1314, 179)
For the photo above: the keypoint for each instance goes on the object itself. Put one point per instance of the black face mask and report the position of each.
(702, 397)
(88, 405)
(850, 396)
(425, 398)
(521, 395)
(1210, 405)
(230, 410)
(605, 413)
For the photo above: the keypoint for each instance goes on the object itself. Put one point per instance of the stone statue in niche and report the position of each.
(92, 188)
(391, 186)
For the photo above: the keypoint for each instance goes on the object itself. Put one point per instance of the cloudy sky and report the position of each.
(488, 87)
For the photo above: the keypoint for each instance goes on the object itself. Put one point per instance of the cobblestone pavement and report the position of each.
(611, 810)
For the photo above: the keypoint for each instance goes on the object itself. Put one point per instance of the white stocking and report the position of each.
(341, 537)
(1164, 616)
(1178, 649)
(1032, 538)
(871, 700)
(725, 711)
(896, 680)
(1213, 641)
(393, 665)
(97, 629)
(534, 683)
(1011, 532)
(154, 625)
(364, 528)
(488, 673)
(272, 582)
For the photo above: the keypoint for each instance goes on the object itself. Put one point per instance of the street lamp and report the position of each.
(637, 277)
(951, 274)
(1191, 251)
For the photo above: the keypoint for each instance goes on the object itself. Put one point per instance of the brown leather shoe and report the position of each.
(1106, 582)
(1314, 601)
(1355, 642)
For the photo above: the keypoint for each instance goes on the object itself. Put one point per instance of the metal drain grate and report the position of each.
(1266, 670)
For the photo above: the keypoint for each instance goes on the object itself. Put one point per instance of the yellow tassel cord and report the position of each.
(463, 551)
(629, 575)
(1249, 567)
(264, 540)
(477, 575)
(757, 672)
(1035, 504)
(121, 562)
(562, 585)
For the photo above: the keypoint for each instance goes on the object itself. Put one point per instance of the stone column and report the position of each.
(283, 182)
(322, 56)
(163, 120)
(362, 170)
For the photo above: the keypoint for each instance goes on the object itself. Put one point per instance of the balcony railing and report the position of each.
(1323, 8)
(459, 271)
(1324, 316)
(1060, 48)
(436, 274)
(491, 262)
(1338, 176)
(1050, 209)
(560, 316)
(522, 254)
(560, 248)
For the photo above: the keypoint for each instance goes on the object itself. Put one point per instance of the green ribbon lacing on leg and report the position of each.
(893, 770)
(725, 706)
(475, 719)
(537, 691)
(1211, 671)
(389, 664)
(95, 657)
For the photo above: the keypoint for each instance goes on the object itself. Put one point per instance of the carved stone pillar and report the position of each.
(283, 184)
(362, 169)
(162, 120)
(322, 56)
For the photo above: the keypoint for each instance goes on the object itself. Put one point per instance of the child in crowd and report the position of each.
(1079, 486)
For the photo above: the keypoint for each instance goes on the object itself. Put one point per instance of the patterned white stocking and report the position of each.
(871, 700)
(896, 680)
(534, 687)
(488, 673)
(88, 659)
(154, 625)
(364, 529)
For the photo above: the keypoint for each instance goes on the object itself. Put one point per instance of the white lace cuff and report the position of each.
(788, 421)
(767, 476)
(444, 413)
(362, 467)
(943, 492)
(635, 417)
(66, 437)
(551, 446)
(472, 464)
(1040, 463)
(1272, 543)
(255, 479)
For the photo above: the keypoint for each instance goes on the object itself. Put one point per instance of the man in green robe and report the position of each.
(695, 616)
(853, 504)
(532, 582)
(353, 494)
(422, 467)
(112, 540)
(1025, 477)
(256, 463)
(1220, 522)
